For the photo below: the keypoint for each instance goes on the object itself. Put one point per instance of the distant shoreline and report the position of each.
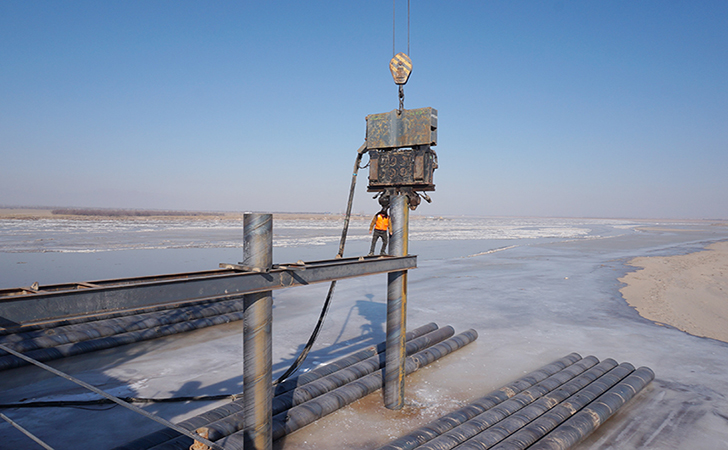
(82, 213)
(688, 292)
(145, 214)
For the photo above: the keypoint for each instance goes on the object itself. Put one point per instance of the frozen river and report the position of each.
(54, 251)
(534, 289)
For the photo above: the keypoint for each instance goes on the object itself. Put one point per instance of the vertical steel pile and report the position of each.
(258, 335)
(394, 372)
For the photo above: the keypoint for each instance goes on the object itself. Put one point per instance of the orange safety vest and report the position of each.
(382, 223)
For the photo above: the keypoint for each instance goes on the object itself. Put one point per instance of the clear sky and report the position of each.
(546, 108)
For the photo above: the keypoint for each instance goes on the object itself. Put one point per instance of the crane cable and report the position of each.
(400, 88)
(394, 28)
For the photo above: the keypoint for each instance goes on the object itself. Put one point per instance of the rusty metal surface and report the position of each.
(401, 68)
(411, 167)
(406, 128)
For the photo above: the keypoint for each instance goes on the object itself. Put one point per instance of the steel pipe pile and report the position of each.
(314, 389)
(299, 416)
(23, 332)
(25, 342)
(472, 427)
(577, 428)
(296, 418)
(319, 387)
(69, 340)
(397, 306)
(108, 326)
(507, 426)
(565, 408)
(169, 439)
(258, 333)
(457, 417)
(342, 363)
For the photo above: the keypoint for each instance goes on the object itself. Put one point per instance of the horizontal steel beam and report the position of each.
(22, 306)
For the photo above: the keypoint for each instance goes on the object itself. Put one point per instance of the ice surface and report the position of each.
(86, 250)
(551, 289)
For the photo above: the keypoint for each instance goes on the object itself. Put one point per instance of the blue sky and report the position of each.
(546, 108)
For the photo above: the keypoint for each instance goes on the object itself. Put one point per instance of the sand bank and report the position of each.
(689, 292)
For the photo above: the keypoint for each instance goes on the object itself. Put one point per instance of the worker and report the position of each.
(382, 226)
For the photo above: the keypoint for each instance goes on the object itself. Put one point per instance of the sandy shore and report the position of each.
(689, 292)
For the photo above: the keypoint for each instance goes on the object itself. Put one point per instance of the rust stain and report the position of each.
(204, 432)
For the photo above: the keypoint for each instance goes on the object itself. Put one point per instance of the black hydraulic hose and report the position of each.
(116, 400)
(106, 401)
(347, 217)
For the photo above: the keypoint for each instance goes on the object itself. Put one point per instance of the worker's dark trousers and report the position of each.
(379, 234)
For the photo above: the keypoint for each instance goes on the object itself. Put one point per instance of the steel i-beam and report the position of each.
(21, 307)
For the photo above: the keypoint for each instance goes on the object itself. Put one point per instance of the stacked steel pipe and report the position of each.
(312, 395)
(553, 408)
(53, 340)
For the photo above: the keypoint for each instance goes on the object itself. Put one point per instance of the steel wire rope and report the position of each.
(394, 28)
(26, 432)
(106, 401)
(114, 399)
